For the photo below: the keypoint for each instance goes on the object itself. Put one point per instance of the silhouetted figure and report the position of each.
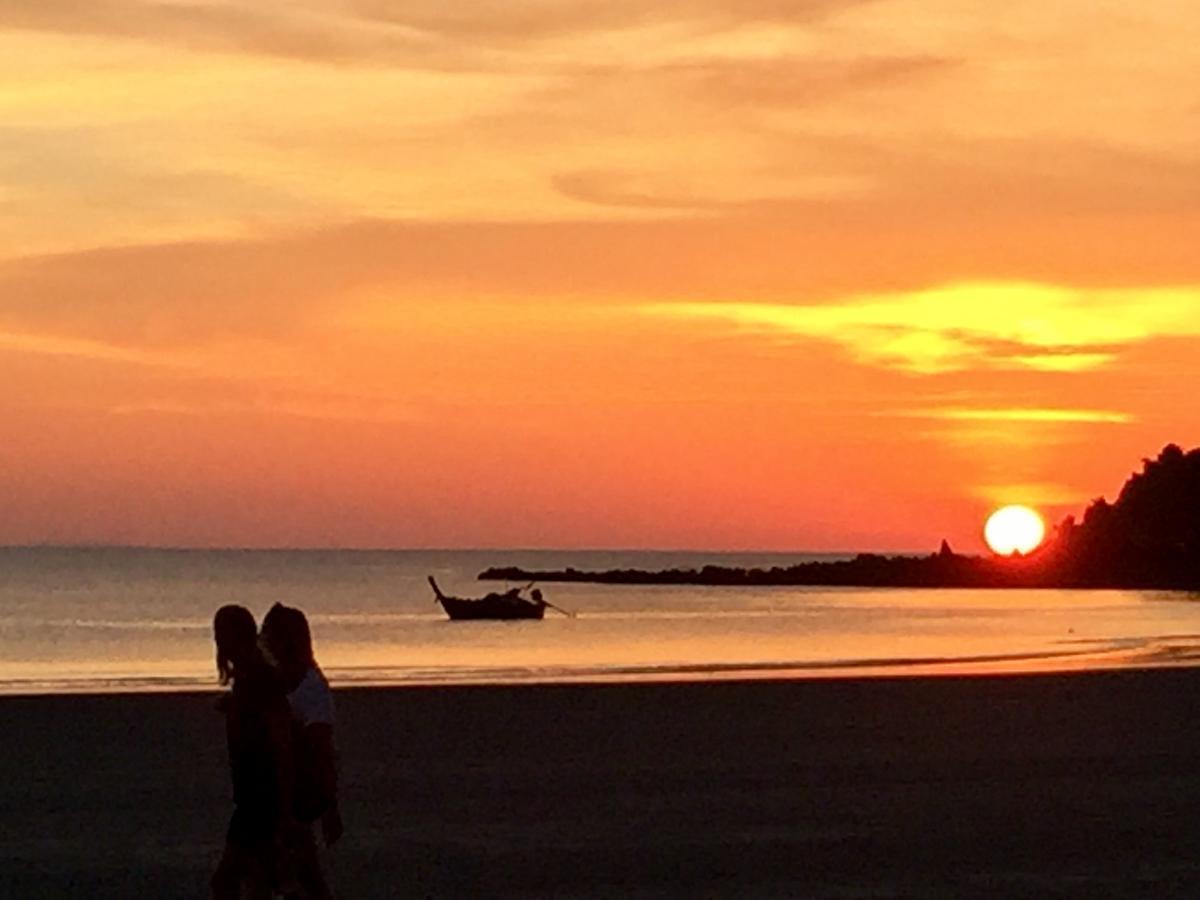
(288, 639)
(260, 762)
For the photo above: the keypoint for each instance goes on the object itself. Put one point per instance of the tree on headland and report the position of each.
(1149, 536)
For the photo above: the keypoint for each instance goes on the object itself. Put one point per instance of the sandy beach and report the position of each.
(1039, 785)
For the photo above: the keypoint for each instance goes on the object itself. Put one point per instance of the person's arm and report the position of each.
(319, 736)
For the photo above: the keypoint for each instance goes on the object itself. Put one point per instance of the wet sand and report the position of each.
(1080, 785)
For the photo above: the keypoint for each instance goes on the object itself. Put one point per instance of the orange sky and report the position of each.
(724, 274)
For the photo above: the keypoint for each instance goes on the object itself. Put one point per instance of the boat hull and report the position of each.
(459, 609)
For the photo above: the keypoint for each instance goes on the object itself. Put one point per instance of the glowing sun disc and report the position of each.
(1014, 529)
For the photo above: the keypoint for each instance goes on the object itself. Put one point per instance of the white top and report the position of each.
(312, 700)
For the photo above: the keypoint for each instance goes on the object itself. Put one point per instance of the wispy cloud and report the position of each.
(687, 192)
(1037, 493)
(794, 80)
(1019, 414)
(79, 348)
(555, 110)
(276, 404)
(168, 296)
(276, 29)
(373, 32)
(971, 326)
(524, 20)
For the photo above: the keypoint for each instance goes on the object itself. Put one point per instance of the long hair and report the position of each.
(234, 633)
(289, 637)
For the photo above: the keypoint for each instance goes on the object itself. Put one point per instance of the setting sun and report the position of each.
(1014, 529)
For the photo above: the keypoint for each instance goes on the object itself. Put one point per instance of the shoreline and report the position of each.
(1117, 656)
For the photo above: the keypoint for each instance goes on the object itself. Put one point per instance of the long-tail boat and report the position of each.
(509, 605)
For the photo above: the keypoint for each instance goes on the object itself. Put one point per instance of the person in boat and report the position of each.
(511, 596)
(257, 730)
(288, 640)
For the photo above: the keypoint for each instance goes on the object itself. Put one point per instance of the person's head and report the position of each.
(236, 637)
(286, 633)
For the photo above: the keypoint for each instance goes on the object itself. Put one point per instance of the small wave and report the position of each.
(1132, 641)
(132, 684)
(199, 625)
(382, 675)
(1083, 654)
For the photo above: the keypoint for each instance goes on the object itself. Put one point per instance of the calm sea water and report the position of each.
(85, 620)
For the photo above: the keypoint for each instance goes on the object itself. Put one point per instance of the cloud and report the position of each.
(677, 192)
(1036, 174)
(275, 287)
(739, 163)
(794, 81)
(426, 33)
(238, 400)
(168, 295)
(1020, 414)
(523, 20)
(1038, 493)
(971, 326)
(83, 349)
(867, 300)
(286, 30)
(744, 108)
(90, 171)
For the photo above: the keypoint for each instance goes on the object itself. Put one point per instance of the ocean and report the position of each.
(87, 620)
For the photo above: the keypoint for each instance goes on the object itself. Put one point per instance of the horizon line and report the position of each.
(184, 548)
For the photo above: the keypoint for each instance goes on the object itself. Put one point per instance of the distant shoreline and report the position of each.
(940, 570)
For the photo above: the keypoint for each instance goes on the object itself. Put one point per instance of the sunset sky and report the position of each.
(713, 274)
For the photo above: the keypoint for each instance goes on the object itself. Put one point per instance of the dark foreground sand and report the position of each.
(1084, 785)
